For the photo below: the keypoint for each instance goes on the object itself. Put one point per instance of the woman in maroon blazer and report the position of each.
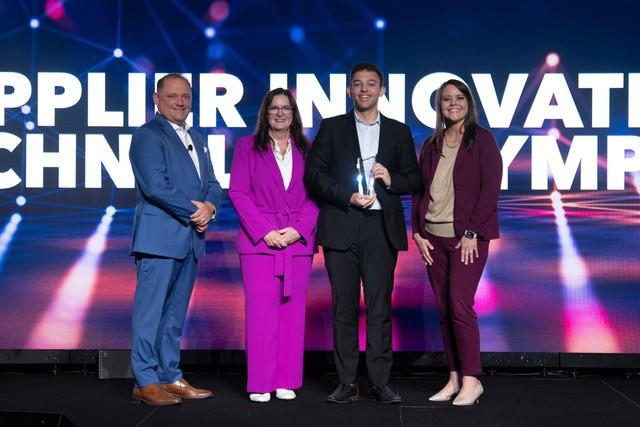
(276, 243)
(454, 218)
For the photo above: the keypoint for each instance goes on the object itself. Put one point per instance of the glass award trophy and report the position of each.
(365, 175)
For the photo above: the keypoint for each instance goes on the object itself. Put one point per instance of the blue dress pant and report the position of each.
(160, 306)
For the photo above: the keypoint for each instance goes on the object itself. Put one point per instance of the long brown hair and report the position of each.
(262, 139)
(469, 124)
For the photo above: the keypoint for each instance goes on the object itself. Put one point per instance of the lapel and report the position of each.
(463, 152)
(385, 143)
(298, 168)
(200, 148)
(434, 158)
(274, 171)
(178, 145)
(351, 136)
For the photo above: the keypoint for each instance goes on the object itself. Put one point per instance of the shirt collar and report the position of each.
(359, 120)
(277, 150)
(176, 127)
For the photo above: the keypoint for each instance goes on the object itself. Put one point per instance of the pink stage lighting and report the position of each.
(219, 10)
(54, 9)
(554, 132)
(61, 325)
(586, 325)
(553, 59)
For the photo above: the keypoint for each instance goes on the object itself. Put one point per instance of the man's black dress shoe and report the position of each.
(344, 393)
(384, 394)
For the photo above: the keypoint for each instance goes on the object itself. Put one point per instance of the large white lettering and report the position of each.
(553, 86)
(19, 95)
(98, 153)
(546, 162)
(9, 178)
(499, 114)
(49, 100)
(309, 93)
(97, 114)
(213, 103)
(64, 160)
(618, 162)
(601, 85)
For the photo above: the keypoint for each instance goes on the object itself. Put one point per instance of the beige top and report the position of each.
(442, 196)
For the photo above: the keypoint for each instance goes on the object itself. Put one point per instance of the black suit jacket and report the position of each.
(331, 172)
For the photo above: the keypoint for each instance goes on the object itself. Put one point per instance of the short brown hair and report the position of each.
(160, 83)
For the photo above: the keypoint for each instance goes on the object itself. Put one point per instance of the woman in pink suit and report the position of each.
(454, 218)
(276, 243)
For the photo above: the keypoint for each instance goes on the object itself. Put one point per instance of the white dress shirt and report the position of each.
(368, 140)
(183, 134)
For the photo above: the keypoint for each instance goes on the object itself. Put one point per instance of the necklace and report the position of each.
(276, 147)
(448, 145)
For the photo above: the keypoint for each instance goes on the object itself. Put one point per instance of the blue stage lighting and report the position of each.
(21, 200)
(29, 125)
(117, 52)
(380, 24)
(296, 33)
(215, 50)
(110, 211)
(6, 236)
(34, 23)
(25, 109)
(210, 32)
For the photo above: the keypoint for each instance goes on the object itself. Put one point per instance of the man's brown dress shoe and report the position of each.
(184, 390)
(155, 395)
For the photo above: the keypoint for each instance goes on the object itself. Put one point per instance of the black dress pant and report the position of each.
(372, 259)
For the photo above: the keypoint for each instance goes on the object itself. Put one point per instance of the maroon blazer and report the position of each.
(477, 175)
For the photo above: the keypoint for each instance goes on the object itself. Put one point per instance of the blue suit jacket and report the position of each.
(166, 182)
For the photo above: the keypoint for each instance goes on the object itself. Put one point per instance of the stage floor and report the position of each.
(509, 400)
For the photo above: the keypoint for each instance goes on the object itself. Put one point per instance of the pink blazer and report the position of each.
(258, 195)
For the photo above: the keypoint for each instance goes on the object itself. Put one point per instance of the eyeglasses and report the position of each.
(273, 110)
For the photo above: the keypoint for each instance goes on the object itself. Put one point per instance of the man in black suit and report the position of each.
(358, 166)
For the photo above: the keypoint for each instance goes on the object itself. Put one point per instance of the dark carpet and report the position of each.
(509, 400)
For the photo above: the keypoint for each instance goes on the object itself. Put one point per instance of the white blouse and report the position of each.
(285, 163)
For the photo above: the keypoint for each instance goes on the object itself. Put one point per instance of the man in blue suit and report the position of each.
(177, 198)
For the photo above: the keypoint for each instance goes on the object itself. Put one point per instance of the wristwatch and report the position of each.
(470, 234)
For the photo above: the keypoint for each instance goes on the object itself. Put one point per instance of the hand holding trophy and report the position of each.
(365, 197)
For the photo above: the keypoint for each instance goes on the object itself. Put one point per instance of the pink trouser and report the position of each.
(274, 324)
(454, 285)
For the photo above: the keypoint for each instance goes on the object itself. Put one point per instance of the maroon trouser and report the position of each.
(454, 285)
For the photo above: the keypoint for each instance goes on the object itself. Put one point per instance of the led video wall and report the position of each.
(562, 97)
